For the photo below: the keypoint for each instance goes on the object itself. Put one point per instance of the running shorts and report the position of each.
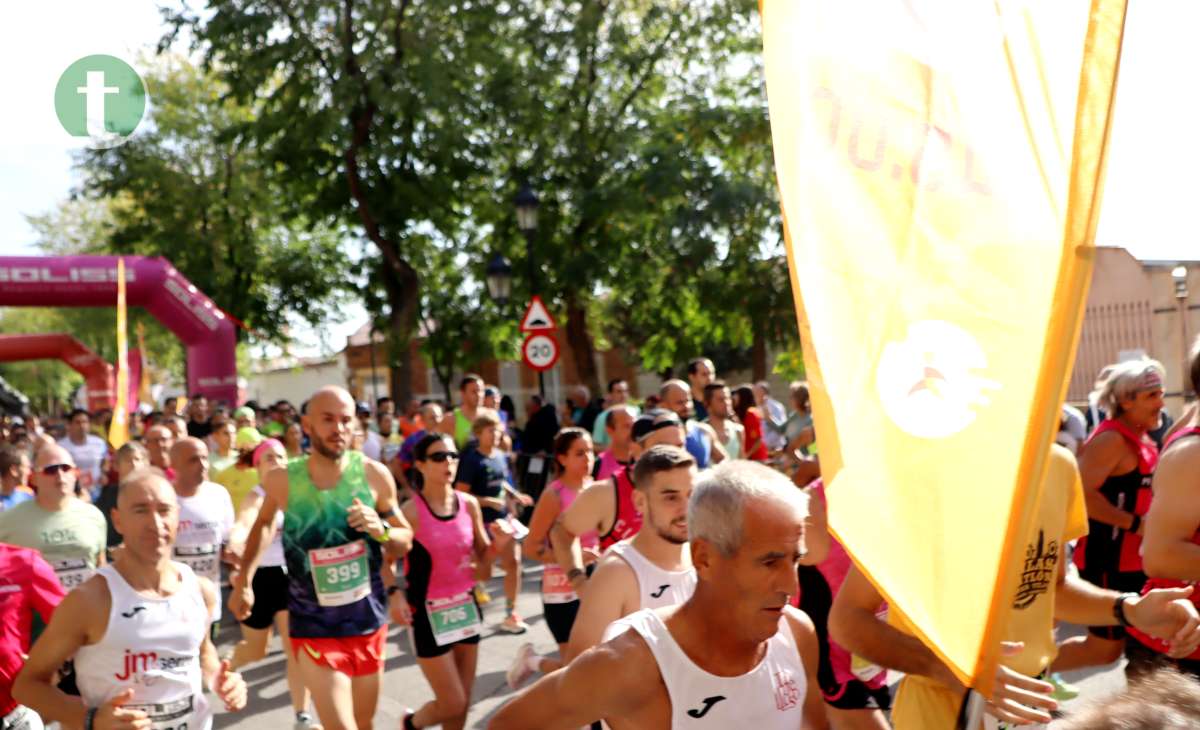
(270, 587)
(354, 656)
(424, 644)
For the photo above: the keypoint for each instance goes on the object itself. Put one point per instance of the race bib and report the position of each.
(555, 586)
(453, 619)
(72, 573)
(340, 574)
(174, 715)
(536, 465)
(203, 559)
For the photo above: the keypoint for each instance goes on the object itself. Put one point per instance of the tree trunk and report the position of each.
(758, 356)
(402, 293)
(579, 339)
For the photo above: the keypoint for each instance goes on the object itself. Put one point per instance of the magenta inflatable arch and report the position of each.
(152, 283)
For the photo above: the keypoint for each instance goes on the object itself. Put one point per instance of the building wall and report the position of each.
(294, 384)
(1132, 309)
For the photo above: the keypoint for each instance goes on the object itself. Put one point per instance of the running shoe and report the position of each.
(1063, 690)
(513, 625)
(481, 595)
(304, 721)
(520, 670)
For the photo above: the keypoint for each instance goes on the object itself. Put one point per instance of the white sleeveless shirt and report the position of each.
(657, 588)
(768, 697)
(153, 646)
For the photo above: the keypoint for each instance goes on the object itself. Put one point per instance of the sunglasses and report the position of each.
(441, 456)
(53, 469)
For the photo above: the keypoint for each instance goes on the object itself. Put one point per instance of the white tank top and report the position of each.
(153, 646)
(657, 588)
(768, 697)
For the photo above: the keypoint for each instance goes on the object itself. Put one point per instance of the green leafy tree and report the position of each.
(643, 126)
(368, 109)
(195, 189)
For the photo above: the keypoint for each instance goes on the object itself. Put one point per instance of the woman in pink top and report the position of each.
(855, 691)
(448, 540)
(573, 462)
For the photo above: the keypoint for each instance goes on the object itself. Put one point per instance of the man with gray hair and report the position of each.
(1116, 463)
(735, 654)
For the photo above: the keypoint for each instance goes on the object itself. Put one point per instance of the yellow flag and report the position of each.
(118, 432)
(939, 165)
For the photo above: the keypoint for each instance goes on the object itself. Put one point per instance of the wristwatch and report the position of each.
(1119, 608)
(574, 573)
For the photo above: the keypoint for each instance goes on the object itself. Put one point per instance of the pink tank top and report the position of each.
(449, 542)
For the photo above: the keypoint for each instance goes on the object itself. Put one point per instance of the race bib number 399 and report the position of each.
(340, 574)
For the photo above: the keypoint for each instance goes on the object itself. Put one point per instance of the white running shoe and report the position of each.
(520, 670)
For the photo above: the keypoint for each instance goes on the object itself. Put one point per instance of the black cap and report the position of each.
(363, 407)
(653, 420)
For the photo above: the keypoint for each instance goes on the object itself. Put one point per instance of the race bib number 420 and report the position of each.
(340, 574)
(203, 559)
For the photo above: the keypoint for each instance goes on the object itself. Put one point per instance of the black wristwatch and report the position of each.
(1119, 608)
(392, 590)
(574, 573)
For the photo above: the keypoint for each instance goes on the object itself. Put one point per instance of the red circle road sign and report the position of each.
(540, 351)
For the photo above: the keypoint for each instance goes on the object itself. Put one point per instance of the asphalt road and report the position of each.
(404, 686)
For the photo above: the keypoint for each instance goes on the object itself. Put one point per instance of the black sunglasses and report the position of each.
(441, 456)
(52, 469)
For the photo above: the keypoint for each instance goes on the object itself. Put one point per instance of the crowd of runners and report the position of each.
(687, 576)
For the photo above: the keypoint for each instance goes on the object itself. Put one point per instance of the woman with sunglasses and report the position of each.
(573, 463)
(448, 540)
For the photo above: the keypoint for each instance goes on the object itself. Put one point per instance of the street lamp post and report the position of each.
(527, 220)
(1179, 274)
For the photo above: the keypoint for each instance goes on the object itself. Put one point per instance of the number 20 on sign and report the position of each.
(540, 351)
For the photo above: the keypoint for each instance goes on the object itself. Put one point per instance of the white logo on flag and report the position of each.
(926, 382)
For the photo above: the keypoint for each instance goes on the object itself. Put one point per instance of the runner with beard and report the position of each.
(339, 516)
(652, 570)
(607, 508)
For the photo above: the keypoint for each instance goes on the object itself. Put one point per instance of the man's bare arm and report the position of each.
(1174, 517)
(594, 508)
(73, 625)
(606, 598)
(610, 680)
(1097, 461)
(854, 625)
(400, 534)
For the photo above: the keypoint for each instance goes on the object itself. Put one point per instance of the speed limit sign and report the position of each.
(540, 351)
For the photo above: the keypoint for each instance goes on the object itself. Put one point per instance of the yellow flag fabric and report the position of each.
(118, 432)
(939, 166)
